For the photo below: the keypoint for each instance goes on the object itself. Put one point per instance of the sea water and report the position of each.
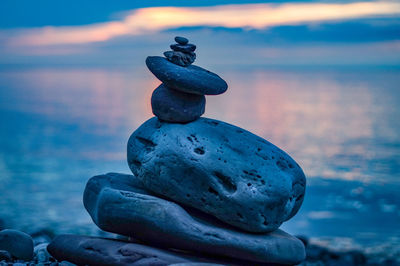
(60, 126)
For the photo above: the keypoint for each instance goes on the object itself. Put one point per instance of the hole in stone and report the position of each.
(136, 163)
(281, 164)
(213, 191)
(146, 142)
(225, 181)
(240, 215)
(199, 150)
(263, 182)
(188, 195)
(249, 184)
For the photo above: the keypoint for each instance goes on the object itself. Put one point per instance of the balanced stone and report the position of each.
(220, 169)
(179, 58)
(120, 204)
(175, 106)
(190, 79)
(17, 243)
(186, 48)
(181, 40)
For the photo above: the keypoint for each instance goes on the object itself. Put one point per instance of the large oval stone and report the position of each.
(176, 106)
(218, 168)
(191, 79)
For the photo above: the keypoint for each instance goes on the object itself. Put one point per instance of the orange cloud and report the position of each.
(148, 20)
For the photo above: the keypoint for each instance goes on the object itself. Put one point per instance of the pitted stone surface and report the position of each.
(190, 79)
(220, 169)
(119, 203)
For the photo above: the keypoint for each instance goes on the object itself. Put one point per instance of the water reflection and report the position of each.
(61, 126)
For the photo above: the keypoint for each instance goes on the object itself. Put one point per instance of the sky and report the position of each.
(241, 33)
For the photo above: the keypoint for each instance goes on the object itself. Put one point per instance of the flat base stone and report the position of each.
(84, 250)
(119, 203)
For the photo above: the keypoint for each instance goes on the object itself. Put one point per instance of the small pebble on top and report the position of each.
(181, 40)
(182, 53)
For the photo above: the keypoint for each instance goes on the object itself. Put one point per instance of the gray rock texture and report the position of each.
(179, 58)
(191, 79)
(17, 243)
(83, 250)
(176, 106)
(220, 169)
(120, 204)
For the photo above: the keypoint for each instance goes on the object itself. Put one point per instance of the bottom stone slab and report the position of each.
(118, 203)
(84, 250)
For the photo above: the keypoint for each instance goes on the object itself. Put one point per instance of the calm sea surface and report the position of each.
(59, 127)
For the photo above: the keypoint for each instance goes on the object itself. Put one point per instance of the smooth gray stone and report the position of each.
(120, 204)
(176, 106)
(185, 48)
(219, 168)
(181, 40)
(84, 250)
(179, 58)
(190, 79)
(17, 243)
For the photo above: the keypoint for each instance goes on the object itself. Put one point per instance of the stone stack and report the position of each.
(180, 98)
(202, 190)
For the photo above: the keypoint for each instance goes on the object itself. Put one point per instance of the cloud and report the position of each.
(154, 19)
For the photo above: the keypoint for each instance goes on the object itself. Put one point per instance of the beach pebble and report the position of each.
(220, 169)
(190, 79)
(17, 243)
(175, 106)
(66, 263)
(186, 48)
(181, 40)
(41, 254)
(5, 255)
(120, 204)
(179, 58)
